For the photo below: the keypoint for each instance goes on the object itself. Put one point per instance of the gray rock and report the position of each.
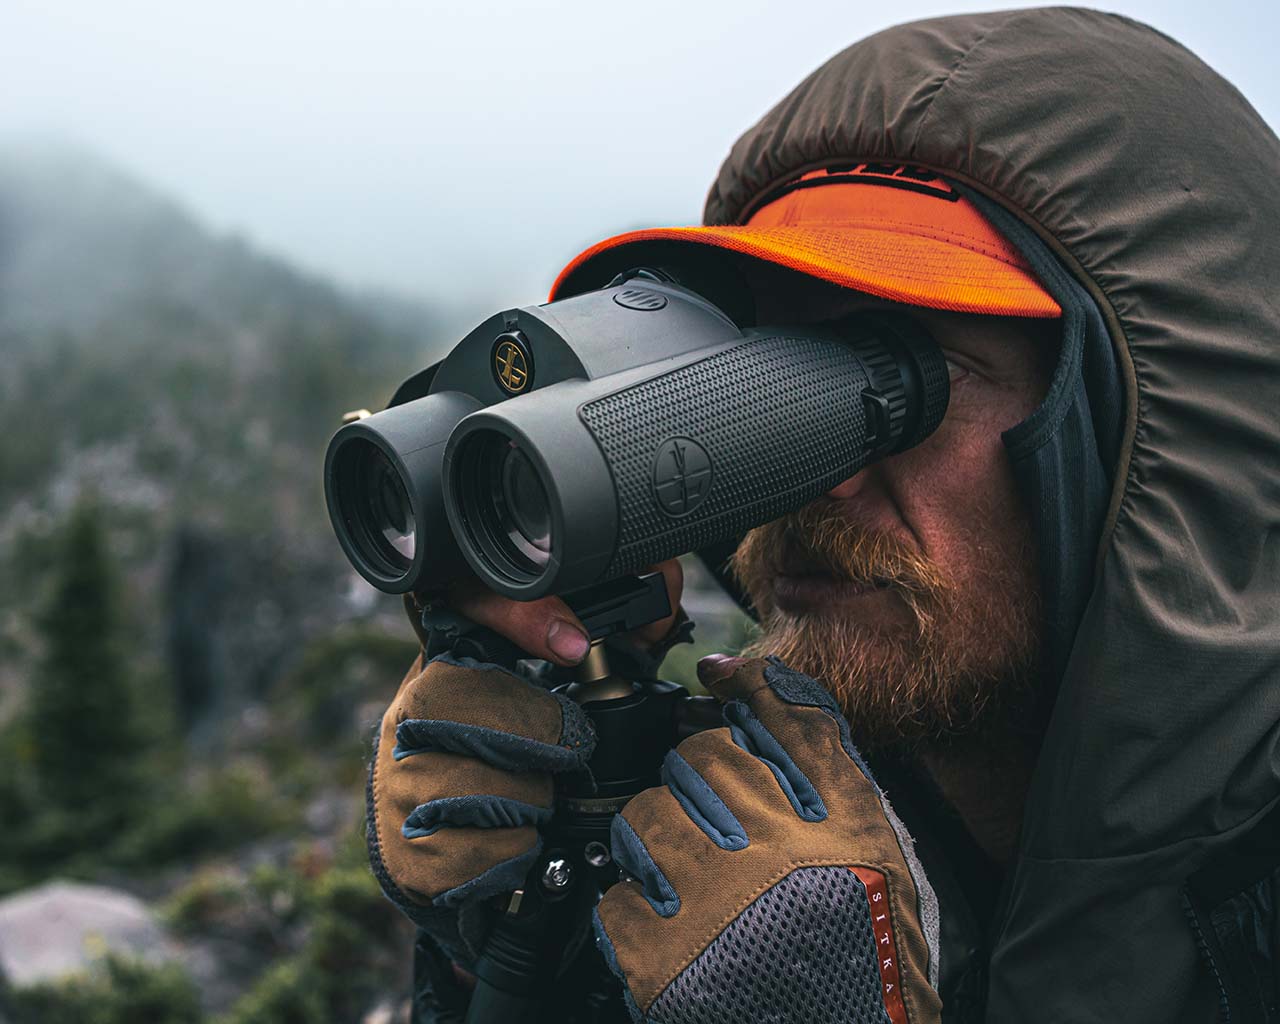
(388, 1012)
(63, 927)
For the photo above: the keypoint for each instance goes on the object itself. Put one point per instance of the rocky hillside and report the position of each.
(190, 383)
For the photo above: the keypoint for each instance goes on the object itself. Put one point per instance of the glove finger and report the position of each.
(752, 787)
(605, 945)
(655, 820)
(483, 810)
(493, 746)
(483, 710)
(622, 921)
(793, 722)
(400, 787)
(702, 804)
(456, 865)
(754, 737)
(636, 917)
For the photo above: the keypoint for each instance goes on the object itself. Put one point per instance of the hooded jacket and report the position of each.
(1142, 188)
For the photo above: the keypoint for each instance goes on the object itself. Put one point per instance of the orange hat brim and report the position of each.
(899, 245)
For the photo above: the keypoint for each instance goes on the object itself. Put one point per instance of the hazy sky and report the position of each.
(464, 149)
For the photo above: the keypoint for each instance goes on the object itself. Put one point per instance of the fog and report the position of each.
(460, 153)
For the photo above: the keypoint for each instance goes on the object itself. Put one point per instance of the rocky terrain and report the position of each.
(189, 671)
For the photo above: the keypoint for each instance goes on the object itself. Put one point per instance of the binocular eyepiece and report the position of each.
(562, 445)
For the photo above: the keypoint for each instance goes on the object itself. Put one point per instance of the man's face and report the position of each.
(910, 589)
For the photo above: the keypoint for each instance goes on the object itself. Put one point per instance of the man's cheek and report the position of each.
(956, 483)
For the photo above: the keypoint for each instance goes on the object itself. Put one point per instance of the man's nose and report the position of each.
(849, 488)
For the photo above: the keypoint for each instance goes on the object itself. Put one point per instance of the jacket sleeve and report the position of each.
(438, 996)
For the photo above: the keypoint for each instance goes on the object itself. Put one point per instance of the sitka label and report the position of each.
(886, 950)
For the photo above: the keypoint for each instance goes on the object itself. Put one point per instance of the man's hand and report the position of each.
(461, 780)
(771, 880)
(546, 628)
(463, 773)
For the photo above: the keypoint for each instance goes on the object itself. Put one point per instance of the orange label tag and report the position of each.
(886, 950)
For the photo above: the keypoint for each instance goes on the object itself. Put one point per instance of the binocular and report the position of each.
(569, 444)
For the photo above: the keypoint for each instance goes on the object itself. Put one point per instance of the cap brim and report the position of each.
(918, 269)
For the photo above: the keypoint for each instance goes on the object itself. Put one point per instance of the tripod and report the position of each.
(542, 941)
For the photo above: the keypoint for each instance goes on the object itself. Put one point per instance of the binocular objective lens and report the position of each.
(502, 506)
(528, 512)
(387, 514)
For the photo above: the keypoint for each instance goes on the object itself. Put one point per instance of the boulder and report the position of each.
(62, 927)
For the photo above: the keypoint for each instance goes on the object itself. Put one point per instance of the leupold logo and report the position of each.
(512, 363)
(681, 475)
(640, 299)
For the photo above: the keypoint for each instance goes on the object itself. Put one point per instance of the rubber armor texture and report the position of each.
(779, 417)
(755, 969)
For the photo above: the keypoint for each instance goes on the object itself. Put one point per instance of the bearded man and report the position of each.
(1050, 633)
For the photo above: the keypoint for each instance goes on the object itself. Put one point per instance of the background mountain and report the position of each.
(188, 382)
(189, 671)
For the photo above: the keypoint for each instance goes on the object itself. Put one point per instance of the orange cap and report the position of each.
(895, 231)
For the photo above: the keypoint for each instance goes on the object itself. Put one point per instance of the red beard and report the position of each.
(962, 662)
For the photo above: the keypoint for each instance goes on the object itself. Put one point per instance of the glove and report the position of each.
(462, 776)
(771, 879)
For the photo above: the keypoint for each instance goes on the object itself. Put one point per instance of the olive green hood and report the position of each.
(1153, 183)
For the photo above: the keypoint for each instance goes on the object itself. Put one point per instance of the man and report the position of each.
(1052, 628)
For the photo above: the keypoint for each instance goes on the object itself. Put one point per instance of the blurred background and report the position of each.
(222, 225)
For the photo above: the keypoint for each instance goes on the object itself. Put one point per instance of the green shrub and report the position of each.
(286, 994)
(355, 951)
(205, 903)
(194, 819)
(339, 671)
(119, 991)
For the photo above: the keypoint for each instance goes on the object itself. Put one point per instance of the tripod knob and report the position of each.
(557, 876)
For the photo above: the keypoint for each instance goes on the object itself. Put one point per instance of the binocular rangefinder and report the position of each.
(563, 445)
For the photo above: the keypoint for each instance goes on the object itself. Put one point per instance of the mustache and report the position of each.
(820, 539)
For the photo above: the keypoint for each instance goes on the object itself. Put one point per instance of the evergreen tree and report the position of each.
(86, 732)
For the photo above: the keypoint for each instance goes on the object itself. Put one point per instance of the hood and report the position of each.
(1146, 184)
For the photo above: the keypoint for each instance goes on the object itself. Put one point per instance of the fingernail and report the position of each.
(715, 667)
(567, 642)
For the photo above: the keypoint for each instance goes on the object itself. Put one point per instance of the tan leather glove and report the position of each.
(772, 880)
(462, 777)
